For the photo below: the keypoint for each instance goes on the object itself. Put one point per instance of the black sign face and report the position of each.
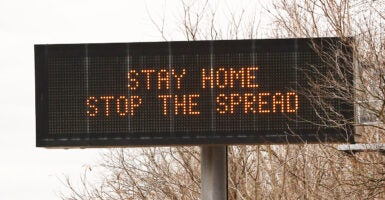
(177, 93)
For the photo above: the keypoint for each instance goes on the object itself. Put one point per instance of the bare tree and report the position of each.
(359, 24)
(305, 171)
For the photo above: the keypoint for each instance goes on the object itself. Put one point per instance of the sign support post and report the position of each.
(214, 172)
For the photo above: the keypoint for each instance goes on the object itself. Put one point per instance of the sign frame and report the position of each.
(44, 139)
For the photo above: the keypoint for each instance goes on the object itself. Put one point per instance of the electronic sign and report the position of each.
(179, 93)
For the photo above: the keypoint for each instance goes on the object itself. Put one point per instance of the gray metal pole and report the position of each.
(214, 172)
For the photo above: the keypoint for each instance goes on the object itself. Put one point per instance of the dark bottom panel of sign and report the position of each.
(231, 139)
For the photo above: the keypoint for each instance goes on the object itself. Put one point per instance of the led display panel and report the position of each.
(179, 93)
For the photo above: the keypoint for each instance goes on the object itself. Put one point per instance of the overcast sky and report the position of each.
(27, 172)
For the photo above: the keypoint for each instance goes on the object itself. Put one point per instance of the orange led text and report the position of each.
(111, 105)
(180, 104)
(229, 77)
(262, 103)
(161, 79)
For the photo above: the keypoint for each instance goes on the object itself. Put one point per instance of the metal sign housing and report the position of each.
(179, 93)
